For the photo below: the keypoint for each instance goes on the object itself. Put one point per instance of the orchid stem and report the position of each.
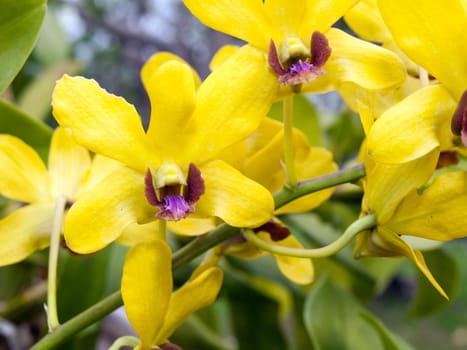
(52, 315)
(190, 251)
(289, 152)
(128, 341)
(356, 227)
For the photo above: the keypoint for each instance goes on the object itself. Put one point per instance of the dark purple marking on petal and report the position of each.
(458, 122)
(447, 158)
(276, 230)
(174, 208)
(320, 49)
(273, 59)
(195, 184)
(149, 189)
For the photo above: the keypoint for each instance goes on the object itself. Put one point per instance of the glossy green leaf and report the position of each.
(33, 132)
(36, 98)
(334, 320)
(447, 272)
(20, 22)
(305, 118)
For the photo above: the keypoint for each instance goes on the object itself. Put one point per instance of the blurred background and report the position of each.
(109, 41)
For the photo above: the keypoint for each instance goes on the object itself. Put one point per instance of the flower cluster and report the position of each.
(212, 160)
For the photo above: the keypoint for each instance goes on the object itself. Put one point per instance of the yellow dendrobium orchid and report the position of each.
(261, 160)
(173, 167)
(153, 309)
(434, 40)
(301, 47)
(25, 178)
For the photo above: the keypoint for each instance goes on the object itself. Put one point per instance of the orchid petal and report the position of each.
(426, 113)
(353, 60)
(100, 168)
(100, 121)
(438, 213)
(235, 114)
(432, 36)
(25, 231)
(147, 288)
(135, 233)
(243, 19)
(68, 163)
(23, 175)
(171, 90)
(298, 270)
(192, 296)
(234, 198)
(192, 226)
(387, 184)
(100, 215)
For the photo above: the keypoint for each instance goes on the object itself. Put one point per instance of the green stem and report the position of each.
(128, 340)
(286, 195)
(356, 227)
(52, 315)
(190, 251)
(289, 152)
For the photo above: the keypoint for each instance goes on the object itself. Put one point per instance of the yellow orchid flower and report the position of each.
(434, 40)
(153, 309)
(393, 194)
(302, 48)
(172, 169)
(25, 178)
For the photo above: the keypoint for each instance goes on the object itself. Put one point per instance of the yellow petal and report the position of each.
(23, 174)
(171, 90)
(157, 60)
(192, 296)
(322, 14)
(387, 184)
(426, 113)
(243, 19)
(68, 163)
(438, 213)
(297, 270)
(224, 115)
(365, 20)
(432, 36)
(146, 289)
(222, 55)
(233, 197)
(25, 231)
(352, 60)
(135, 233)
(192, 226)
(287, 16)
(100, 121)
(100, 168)
(398, 247)
(100, 215)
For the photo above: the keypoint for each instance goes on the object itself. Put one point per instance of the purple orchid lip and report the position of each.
(174, 205)
(301, 70)
(277, 231)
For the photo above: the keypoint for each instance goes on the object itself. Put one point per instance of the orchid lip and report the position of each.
(299, 70)
(175, 202)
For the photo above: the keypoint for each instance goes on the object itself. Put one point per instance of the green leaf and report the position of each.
(52, 46)
(31, 131)
(20, 22)
(335, 320)
(305, 118)
(446, 271)
(36, 99)
(346, 136)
